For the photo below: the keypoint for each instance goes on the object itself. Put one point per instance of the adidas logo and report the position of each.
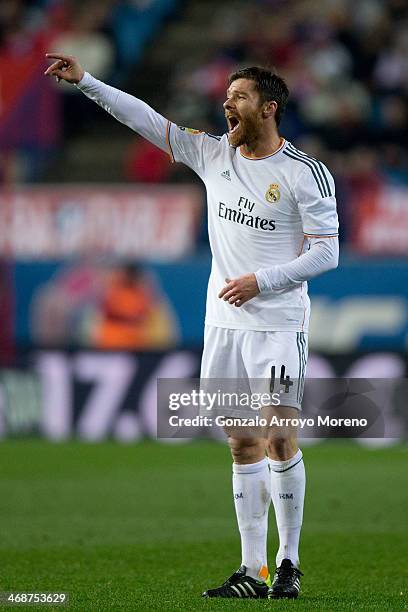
(226, 174)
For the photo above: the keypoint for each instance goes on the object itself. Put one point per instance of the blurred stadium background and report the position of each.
(104, 258)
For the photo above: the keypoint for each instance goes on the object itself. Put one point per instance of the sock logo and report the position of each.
(285, 495)
(239, 495)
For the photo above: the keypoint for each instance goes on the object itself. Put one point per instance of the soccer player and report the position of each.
(272, 227)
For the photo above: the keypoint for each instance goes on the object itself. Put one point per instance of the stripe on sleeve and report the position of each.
(315, 163)
(320, 167)
(311, 166)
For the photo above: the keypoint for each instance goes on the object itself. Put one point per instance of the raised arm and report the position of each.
(127, 109)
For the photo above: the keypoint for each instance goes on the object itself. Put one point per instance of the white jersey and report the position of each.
(261, 212)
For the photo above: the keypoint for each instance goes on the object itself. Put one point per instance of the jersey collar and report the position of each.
(283, 142)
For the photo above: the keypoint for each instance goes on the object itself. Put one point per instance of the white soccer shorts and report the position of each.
(261, 360)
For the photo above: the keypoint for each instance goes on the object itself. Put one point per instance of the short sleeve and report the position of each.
(192, 147)
(315, 195)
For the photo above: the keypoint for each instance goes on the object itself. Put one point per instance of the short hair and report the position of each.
(269, 85)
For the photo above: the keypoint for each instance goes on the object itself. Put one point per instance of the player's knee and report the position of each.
(281, 447)
(247, 450)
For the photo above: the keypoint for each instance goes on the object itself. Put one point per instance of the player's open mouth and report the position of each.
(233, 124)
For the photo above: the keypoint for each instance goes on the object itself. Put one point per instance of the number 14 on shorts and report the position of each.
(284, 381)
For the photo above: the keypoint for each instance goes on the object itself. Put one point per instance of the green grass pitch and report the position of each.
(150, 526)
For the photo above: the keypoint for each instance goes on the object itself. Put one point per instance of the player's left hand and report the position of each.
(239, 290)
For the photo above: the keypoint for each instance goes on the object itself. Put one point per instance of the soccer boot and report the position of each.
(286, 581)
(239, 585)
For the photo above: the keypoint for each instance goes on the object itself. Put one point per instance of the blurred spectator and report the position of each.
(145, 163)
(29, 108)
(391, 71)
(84, 38)
(363, 171)
(133, 315)
(115, 307)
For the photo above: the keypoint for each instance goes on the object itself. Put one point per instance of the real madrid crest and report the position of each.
(273, 193)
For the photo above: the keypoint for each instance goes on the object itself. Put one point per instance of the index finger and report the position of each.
(54, 66)
(59, 56)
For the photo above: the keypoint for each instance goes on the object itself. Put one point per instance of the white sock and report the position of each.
(288, 482)
(251, 485)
